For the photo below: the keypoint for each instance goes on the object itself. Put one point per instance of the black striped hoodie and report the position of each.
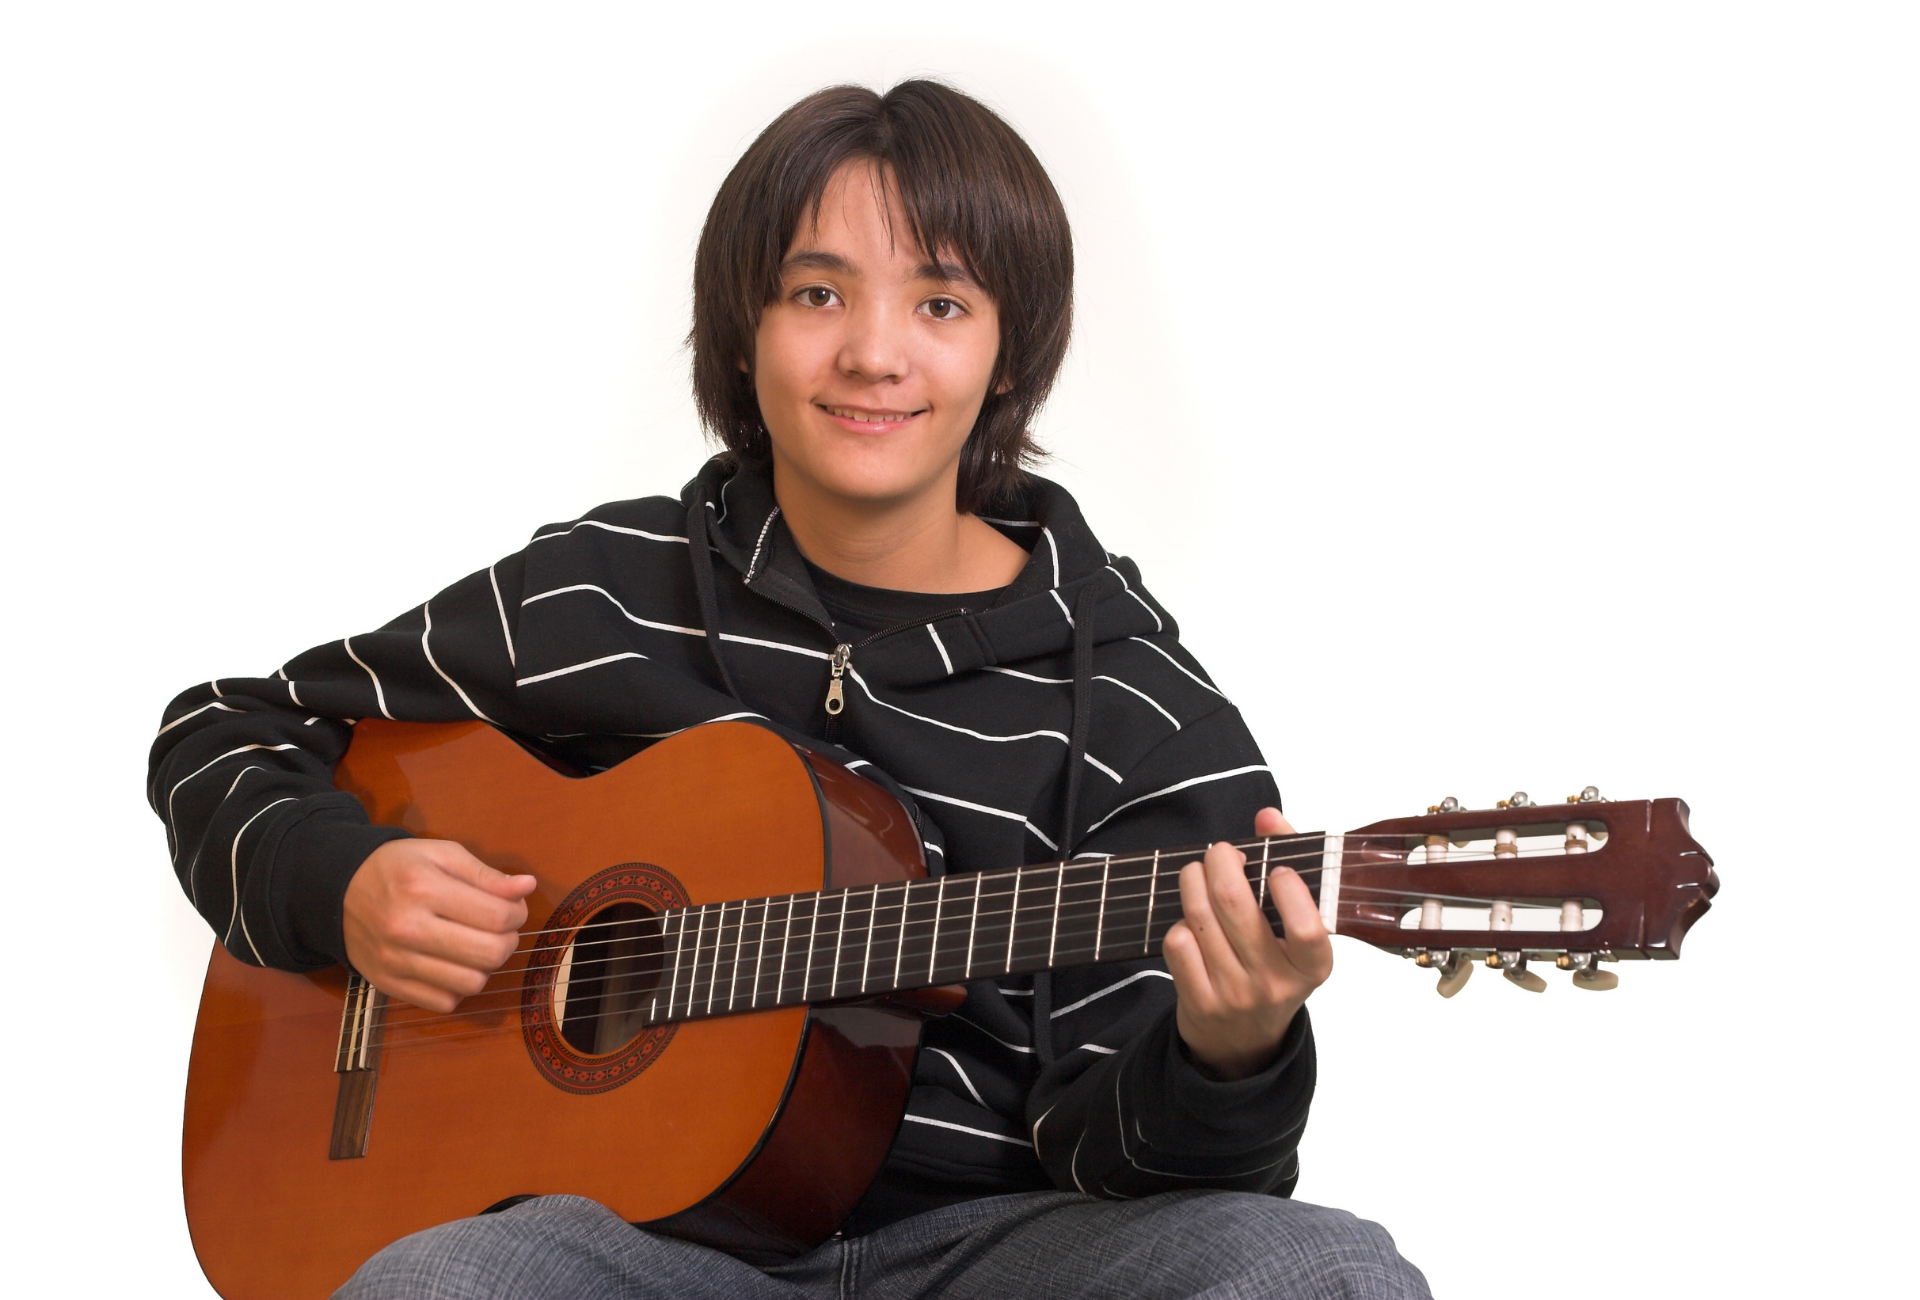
(614, 630)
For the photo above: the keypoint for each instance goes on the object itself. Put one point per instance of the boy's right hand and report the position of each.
(426, 922)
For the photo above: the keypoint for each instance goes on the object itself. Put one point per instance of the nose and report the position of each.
(876, 347)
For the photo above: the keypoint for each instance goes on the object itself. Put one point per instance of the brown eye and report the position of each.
(818, 297)
(942, 308)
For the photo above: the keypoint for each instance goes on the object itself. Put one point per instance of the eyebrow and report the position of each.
(939, 270)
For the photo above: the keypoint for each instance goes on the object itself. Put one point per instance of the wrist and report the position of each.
(1229, 1061)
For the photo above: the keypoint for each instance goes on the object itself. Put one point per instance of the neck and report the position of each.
(869, 940)
(917, 541)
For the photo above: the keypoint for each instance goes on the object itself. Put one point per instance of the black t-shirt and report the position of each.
(861, 613)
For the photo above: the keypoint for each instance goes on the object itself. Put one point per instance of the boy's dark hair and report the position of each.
(969, 187)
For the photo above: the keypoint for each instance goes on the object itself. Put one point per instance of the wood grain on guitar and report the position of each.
(711, 1021)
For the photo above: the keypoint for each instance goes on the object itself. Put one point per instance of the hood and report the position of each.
(1035, 615)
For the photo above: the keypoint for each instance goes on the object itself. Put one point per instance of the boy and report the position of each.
(882, 300)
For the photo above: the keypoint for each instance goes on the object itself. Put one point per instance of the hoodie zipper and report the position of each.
(841, 660)
(837, 665)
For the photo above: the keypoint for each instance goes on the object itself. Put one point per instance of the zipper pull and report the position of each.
(842, 656)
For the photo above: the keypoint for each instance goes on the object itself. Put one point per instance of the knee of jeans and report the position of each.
(448, 1260)
(1332, 1244)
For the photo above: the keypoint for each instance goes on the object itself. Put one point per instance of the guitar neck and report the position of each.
(867, 940)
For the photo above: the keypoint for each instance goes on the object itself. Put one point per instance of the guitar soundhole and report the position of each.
(592, 978)
(609, 976)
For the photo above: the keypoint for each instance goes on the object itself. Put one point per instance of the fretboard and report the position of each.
(758, 953)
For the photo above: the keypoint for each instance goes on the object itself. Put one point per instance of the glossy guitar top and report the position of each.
(464, 1109)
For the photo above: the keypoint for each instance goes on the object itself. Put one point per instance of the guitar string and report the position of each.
(715, 964)
(1172, 862)
(760, 930)
(1067, 956)
(862, 902)
(1185, 855)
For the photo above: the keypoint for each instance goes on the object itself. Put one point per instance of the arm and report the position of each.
(1128, 1107)
(272, 855)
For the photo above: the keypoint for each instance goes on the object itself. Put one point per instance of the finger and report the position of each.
(1197, 907)
(437, 940)
(456, 861)
(1305, 942)
(425, 982)
(1268, 821)
(1188, 968)
(449, 895)
(1243, 925)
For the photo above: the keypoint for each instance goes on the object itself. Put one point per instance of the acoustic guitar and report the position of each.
(711, 1020)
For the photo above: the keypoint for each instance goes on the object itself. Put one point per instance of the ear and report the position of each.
(742, 364)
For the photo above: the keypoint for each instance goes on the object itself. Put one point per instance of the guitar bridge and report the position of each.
(357, 1062)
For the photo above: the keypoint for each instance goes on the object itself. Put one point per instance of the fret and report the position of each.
(760, 953)
(736, 951)
(866, 955)
(1053, 930)
(973, 922)
(786, 938)
(1029, 951)
(813, 934)
(680, 939)
(1100, 926)
(653, 1003)
(693, 964)
(989, 913)
(1081, 912)
(933, 946)
(719, 948)
(1266, 849)
(1013, 916)
(919, 908)
(900, 942)
(750, 975)
(1166, 909)
(1153, 884)
(953, 930)
(739, 951)
(839, 941)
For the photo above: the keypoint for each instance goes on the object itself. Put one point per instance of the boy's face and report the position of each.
(873, 360)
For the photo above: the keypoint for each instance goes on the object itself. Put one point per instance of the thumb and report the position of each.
(457, 862)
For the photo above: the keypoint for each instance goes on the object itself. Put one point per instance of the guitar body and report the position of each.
(707, 1127)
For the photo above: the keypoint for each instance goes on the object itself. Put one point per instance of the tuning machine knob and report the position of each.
(1591, 794)
(1518, 800)
(1446, 805)
(1454, 969)
(1514, 966)
(1586, 971)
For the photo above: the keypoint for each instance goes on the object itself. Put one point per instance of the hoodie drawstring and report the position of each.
(701, 558)
(1076, 761)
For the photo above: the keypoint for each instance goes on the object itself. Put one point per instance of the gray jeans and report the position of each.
(1032, 1246)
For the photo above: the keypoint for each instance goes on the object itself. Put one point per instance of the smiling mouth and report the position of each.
(859, 416)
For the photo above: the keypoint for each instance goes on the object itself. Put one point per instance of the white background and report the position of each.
(1501, 395)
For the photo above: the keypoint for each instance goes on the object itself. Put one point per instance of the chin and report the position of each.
(864, 471)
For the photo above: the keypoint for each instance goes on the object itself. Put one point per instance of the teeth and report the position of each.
(868, 417)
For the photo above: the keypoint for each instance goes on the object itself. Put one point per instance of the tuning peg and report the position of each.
(1446, 805)
(1514, 966)
(1586, 971)
(1454, 974)
(1519, 800)
(1591, 794)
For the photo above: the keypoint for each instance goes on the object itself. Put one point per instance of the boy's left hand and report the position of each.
(1239, 985)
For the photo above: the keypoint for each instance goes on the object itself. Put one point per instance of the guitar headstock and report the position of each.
(1576, 884)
